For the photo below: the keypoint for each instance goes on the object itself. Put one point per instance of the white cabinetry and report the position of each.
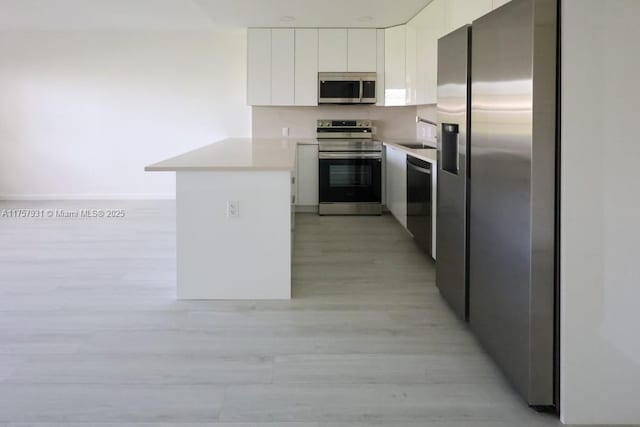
(396, 188)
(380, 60)
(410, 62)
(332, 49)
(283, 63)
(306, 66)
(307, 175)
(430, 26)
(361, 50)
(411, 57)
(411, 50)
(258, 66)
(352, 50)
(461, 12)
(394, 66)
(282, 66)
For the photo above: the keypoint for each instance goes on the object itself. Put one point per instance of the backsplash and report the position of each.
(391, 122)
(425, 131)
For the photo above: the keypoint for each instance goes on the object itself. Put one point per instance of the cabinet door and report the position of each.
(396, 168)
(498, 3)
(306, 66)
(394, 66)
(410, 62)
(332, 49)
(307, 175)
(361, 51)
(282, 66)
(461, 12)
(380, 66)
(258, 66)
(430, 27)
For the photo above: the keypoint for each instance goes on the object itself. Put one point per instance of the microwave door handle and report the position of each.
(361, 90)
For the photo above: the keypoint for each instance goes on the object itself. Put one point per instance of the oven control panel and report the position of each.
(362, 124)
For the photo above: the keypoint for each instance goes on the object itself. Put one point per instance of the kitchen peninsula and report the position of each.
(234, 218)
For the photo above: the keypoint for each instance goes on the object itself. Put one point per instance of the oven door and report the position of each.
(339, 90)
(350, 178)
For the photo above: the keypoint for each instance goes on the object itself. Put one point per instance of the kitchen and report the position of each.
(398, 203)
(348, 160)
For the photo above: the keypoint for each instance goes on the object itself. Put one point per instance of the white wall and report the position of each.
(600, 374)
(82, 112)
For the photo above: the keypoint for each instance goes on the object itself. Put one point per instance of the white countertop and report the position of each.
(238, 154)
(427, 154)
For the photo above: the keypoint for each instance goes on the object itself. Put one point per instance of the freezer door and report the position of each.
(451, 235)
(512, 206)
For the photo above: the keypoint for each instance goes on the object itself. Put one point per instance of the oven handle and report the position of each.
(326, 156)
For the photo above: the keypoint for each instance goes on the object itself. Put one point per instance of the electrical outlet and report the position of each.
(285, 131)
(233, 209)
(423, 132)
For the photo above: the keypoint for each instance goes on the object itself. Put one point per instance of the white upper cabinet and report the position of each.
(332, 49)
(282, 66)
(380, 59)
(353, 50)
(258, 66)
(411, 62)
(462, 12)
(395, 91)
(283, 63)
(498, 3)
(306, 66)
(361, 50)
(430, 26)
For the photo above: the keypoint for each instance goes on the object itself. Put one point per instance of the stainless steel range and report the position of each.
(350, 168)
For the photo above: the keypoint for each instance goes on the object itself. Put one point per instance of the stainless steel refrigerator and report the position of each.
(453, 166)
(497, 188)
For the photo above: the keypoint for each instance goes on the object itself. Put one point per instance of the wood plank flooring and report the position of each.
(91, 333)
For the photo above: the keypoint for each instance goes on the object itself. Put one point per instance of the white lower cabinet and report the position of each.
(307, 176)
(396, 180)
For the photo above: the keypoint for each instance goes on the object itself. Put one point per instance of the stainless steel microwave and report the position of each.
(346, 88)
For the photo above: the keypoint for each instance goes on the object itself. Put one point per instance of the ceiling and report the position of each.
(312, 13)
(201, 14)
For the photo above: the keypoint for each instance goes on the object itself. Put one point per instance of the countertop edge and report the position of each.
(413, 152)
(216, 169)
(289, 167)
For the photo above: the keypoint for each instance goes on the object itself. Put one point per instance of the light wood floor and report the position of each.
(90, 332)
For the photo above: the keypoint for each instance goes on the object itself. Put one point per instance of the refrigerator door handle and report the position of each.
(458, 151)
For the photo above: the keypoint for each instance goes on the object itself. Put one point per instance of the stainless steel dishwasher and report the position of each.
(419, 217)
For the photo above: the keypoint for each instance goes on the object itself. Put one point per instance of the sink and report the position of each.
(419, 146)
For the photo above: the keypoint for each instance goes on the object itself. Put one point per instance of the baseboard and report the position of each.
(72, 196)
(314, 209)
